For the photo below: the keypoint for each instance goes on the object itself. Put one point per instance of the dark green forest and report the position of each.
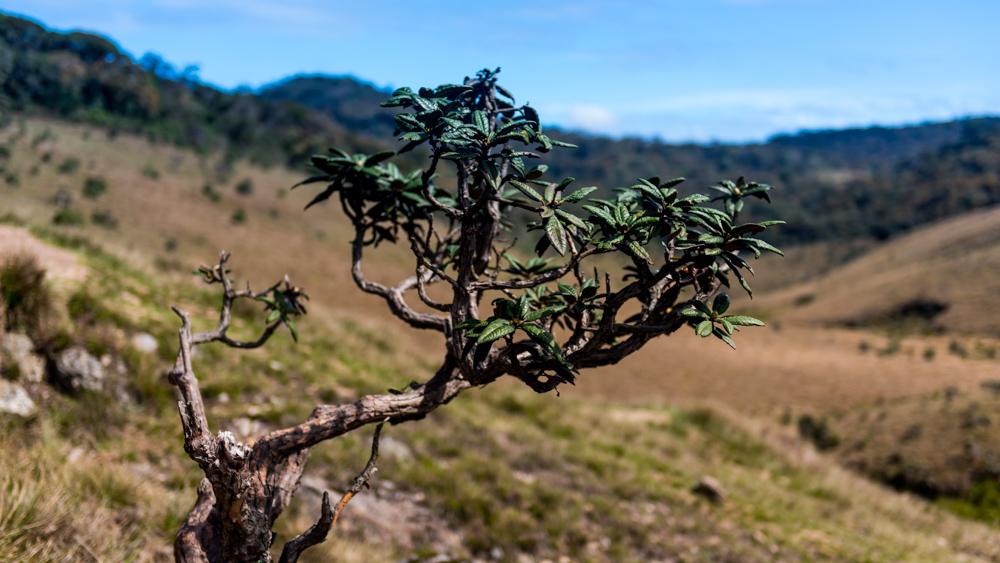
(835, 185)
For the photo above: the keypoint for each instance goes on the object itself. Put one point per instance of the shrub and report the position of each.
(208, 191)
(93, 187)
(150, 172)
(68, 217)
(104, 219)
(70, 165)
(956, 348)
(27, 303)
(244, 187)
(818, 431)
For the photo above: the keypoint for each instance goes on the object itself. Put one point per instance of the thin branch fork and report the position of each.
(318, 532)
(393, 296)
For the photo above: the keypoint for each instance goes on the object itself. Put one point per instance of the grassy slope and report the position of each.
(276, 238)
(535, 475)
(954, 262)
(543, 475)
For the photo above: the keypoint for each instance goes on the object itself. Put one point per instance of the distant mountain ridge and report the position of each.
(355, 103)
(347, 99)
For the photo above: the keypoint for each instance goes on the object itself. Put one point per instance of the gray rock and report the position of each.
(247, 429)
(145, 343)
(63, 199)
(710, 489)
(390, 447)
(76, 370)
(15, 400)
(18, 351)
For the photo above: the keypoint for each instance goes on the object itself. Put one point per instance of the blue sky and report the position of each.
(678, 70)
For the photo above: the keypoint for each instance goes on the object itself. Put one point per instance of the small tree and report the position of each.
(545, 318)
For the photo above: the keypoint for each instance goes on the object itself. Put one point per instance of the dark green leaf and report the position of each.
(526, 190)
(562, 144)
(542, 313)
(702, 307)
(704, 328)
(768, 247)
(523, 307)
(495, 330)
(602, 214)
(379, 157)
(557, 234)
(536, 172)
(481, 122)
(635, 249)
(542, 246)
(550, 193)
(543, 338)
(721, 335)
(482, 352)
(313, 180)
(610, 242)
(572, 219)
(743, 320)
(469, 323)
(579, 194)
(721, 303)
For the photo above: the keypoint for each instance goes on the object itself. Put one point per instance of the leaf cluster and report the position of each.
(548, 319)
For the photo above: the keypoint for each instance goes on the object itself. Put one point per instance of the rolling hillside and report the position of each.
(936, 279)
(502, 475)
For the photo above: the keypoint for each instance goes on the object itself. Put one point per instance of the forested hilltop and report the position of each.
(84, 77)
(835, 185)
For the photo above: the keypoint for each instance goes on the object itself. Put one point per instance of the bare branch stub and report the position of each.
(317, 533)
(539, 319)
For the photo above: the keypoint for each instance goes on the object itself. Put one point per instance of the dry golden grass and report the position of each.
(63, 504)
(276, 238)
(798, 368)
(954, 262)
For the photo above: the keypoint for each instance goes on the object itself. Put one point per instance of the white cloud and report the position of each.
(755, 115)
(740, 116)
(585, 117)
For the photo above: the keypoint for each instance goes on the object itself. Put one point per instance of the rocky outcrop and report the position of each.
(145, 343)
(76, 370)
(20, 359)
(15, 400)
(710, 489)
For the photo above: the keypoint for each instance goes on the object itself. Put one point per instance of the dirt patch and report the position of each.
(59, 264)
